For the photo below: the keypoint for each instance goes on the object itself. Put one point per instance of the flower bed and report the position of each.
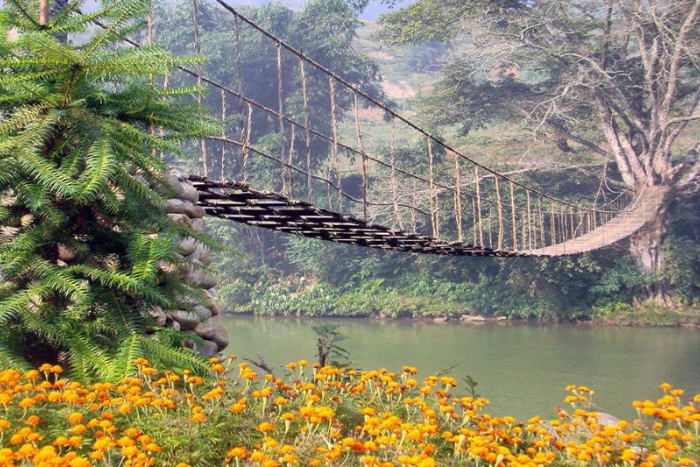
(316, 416)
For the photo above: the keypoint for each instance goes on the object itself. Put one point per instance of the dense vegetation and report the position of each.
(291, 276)
(83, 230)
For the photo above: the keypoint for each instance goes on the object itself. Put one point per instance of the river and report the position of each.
(521, 368)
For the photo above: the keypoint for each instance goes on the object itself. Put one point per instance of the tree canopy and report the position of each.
(617, 78)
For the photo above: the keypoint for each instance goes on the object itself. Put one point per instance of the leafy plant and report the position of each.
(83, 230)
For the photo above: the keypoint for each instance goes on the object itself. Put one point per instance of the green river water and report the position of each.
(521, 368)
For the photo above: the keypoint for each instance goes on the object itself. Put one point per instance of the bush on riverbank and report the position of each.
(317, 416)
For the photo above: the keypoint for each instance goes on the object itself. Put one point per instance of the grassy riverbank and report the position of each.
(319, 416)
(452, 301)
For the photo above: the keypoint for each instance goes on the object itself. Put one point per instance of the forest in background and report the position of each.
(274, 274)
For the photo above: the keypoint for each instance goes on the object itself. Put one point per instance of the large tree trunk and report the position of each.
(646, 247)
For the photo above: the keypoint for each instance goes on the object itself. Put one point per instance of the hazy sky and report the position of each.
(374, 9)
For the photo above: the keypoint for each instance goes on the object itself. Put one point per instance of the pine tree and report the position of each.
(83, 232)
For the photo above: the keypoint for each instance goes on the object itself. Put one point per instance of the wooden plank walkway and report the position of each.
(640, 211)
(236, 201)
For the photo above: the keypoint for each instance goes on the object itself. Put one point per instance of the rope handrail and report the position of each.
(394, 114)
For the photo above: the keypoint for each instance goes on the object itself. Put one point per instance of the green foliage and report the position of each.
(82, 232)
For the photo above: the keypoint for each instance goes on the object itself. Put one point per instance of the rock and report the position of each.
(211, 303)
(158, 316)
(178, 173)
(172, 186)
(201, 279)
(189, 320)
(605, 419)
(189, 193)
(441, 319)
(207, 349)
(213, 332)
(181, 219)
(187, 246)
(176, 206)
(172, 324)
(473, 319)
(202, 254)
(197, 225)
(501, 318)
(197, 212)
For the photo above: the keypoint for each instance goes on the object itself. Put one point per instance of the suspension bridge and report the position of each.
(277, 165)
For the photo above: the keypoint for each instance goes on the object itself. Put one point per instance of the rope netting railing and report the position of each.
(307, 133)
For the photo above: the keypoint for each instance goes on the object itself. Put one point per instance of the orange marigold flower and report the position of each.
(238, 452)
(266, 426)
(237, 408)
(75, 417)
(79, 462)
(33, 420)
(198, 417)
(152, 447)
(31, 375)
(26, 402)
(75, 441)
(130, 451)
(4, 424)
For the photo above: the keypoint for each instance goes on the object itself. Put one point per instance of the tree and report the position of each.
(83, 233)
(618, 78)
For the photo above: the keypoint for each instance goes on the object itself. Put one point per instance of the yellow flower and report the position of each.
(266, 426)
(31, 375)
(130, 451)
(238, 452)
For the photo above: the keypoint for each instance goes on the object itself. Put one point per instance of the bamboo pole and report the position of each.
(478, 204)
(458, 198)
(433, 220)
(512, 211)
(334, 145)
(307, 130)
(280, 112)
(500, 213)
(360, 147)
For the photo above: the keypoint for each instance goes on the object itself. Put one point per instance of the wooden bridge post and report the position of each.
(458, 198)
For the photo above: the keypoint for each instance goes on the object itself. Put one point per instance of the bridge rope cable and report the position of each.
(386, 109)
(564, 226)
(332, 75)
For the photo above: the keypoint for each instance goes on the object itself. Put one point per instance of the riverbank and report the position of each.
(443, 302)
(640, 316)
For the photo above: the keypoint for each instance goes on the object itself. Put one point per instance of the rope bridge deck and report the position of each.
(640, 211)
(236, 201)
